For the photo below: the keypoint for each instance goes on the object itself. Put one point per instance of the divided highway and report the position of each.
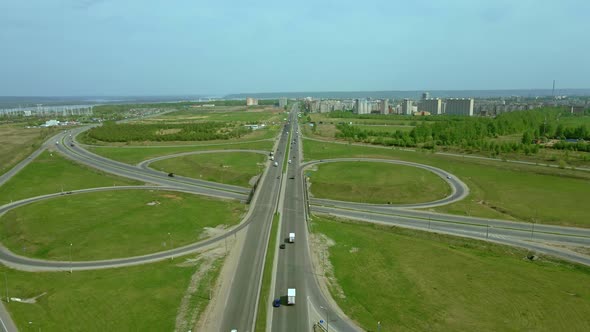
(294, 267)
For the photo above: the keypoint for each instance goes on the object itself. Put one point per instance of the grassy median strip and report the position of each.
(287, 151)
(497, 189)
(267, 276)
(413, 280)
(51, 173)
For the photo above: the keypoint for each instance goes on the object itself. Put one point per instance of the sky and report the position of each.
(215, 47)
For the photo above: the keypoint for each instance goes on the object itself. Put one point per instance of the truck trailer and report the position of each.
(291, 296)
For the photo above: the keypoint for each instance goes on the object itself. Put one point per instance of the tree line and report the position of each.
(204, 131)
(474, 133)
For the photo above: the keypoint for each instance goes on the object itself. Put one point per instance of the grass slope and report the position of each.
(236, 168)
(417, 281)
(370, 182)
(497, 189)
(134, 155)
(112, 224)
(17, 142)
(138, 298)
(51, 173)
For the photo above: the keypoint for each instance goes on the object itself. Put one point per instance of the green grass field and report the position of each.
(268, 132)
(134, 155)
(17, 142)
(52, 173)
(113, 224)
(379, 183)
(138, 298)
(498, 189)
(418, 281)
(225, 114)
(236, 168)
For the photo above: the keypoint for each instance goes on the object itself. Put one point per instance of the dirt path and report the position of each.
(211, 318)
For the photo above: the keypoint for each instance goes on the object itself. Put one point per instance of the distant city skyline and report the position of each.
(220, 47)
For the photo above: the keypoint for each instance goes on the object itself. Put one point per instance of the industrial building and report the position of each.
(459, 106)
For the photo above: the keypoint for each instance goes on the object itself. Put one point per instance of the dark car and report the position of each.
(171, 175)
(276, 303)
(282, 246)
(291, 177)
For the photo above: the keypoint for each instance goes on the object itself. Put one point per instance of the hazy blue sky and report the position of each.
(147, 47)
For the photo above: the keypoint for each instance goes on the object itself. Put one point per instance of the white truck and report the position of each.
(291, 296)
(291, 237)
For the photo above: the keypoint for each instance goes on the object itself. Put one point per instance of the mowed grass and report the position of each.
(137, 298)
(51, 173)
(418, 281)
(113, 224)
(134, 155)
(497, 189)
(236, 168)
(371, 182)
(17, 142)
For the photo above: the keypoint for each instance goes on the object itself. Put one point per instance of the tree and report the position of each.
(526, 138)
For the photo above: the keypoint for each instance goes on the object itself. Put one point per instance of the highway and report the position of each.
(242, 302)
(293, 265)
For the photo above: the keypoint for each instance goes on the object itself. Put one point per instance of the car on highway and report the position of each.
(282, 246)
(292, 177)
(171, 175)
(448, 177)
(276, 303)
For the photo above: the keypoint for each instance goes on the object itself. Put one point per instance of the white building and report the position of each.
(459, 106)
(407, 107)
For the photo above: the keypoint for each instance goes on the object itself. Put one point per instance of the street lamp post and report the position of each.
(6, 284)
(71, 267)
(327, 319)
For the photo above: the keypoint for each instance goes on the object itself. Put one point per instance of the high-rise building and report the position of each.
(407, 107)
(282, 102)
(362, 106)
(384, 106)
(459, 106)
(425, 95)
(431, 105)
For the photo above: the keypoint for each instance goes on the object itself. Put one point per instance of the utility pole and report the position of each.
(71, 267)
(6, 284)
